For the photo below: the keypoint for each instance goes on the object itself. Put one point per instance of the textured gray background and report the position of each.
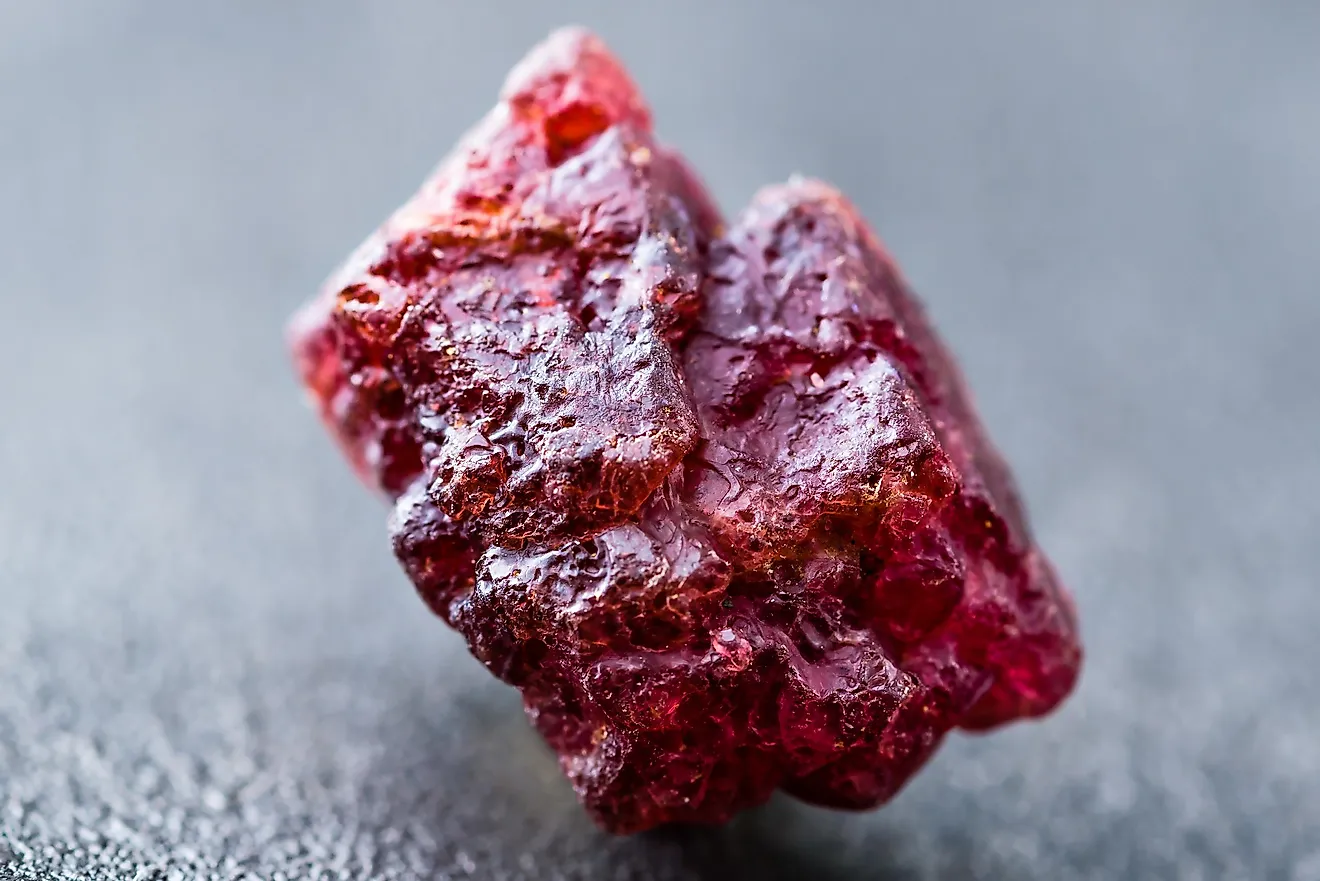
(208, 661)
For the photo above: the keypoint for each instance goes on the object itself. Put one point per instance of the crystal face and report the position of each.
(714, 499)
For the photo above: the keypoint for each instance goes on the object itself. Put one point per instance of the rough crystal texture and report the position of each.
(715, 500)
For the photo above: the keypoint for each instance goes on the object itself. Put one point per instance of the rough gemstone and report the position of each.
(715, 500)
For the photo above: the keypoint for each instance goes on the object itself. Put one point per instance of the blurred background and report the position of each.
(209, 663)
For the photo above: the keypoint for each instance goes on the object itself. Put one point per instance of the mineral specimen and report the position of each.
(715, 500)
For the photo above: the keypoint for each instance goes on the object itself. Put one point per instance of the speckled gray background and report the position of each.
(209, 665)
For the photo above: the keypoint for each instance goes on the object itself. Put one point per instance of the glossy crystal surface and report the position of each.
(713, 498)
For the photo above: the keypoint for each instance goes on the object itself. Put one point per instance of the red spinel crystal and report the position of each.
(715, 500)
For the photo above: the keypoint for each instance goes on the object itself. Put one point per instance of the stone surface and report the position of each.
(715, 501)
(210, 664)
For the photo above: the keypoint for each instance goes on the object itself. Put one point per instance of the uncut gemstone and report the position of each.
(713, 498)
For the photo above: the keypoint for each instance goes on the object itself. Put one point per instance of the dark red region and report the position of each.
(715, 500)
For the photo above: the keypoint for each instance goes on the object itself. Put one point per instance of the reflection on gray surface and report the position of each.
(208, 661)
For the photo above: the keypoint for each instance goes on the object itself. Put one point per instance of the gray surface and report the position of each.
(208, 661)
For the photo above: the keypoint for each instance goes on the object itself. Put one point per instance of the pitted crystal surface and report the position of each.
(713, 498)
